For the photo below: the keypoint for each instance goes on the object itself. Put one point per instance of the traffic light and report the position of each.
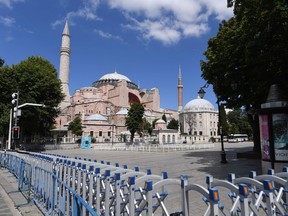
(16, 132)
(14, 98)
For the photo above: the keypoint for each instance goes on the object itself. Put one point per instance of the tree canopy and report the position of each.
(36, 81)
(250, 52)
(173, 124)
(238, 122)
(134, 119)
(248, 55)
(76, 126)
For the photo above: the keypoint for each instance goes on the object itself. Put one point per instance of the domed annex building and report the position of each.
(199, 121)
(103, 106)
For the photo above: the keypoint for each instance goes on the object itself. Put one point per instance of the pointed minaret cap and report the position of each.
(66, 28)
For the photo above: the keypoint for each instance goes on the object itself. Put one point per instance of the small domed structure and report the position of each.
(96, 117)
(199, 120)
(122, 112)
(160, 124)
(199, 105)
(160, 121)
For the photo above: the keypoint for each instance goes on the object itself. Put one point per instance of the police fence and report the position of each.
(73, 186)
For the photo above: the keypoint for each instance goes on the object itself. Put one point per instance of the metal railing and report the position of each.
(75, 186)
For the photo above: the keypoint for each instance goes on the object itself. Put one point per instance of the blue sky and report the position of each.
(145, 40)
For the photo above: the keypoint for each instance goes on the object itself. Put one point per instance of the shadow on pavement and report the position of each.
(211, 163)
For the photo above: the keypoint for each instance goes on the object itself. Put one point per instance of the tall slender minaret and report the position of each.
(180, 90)
(64, 65)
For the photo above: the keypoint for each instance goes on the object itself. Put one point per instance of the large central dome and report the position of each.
(198, 105)
(114, 76)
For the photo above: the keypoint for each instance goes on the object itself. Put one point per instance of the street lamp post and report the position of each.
(201, 94)
(223, 153)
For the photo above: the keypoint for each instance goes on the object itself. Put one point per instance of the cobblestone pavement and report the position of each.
(195, 164)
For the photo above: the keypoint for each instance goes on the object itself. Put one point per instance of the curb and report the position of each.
(14, 199)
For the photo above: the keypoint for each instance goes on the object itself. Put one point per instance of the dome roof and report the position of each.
(96, 117)
(198, 105)
(122, 112)
(160, 121)
(114, 76)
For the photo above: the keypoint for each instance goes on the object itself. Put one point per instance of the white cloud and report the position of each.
(87, 11)
(169, 21)
(8, 3)
(7, 21)
(107, 35)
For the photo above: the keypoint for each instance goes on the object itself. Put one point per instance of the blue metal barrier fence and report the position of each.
(75, 186)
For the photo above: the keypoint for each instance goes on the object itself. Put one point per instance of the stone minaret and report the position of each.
(180, 91)
(64, 65)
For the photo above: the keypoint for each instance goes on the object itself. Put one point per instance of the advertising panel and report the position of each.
(280, 135)
(264, 137)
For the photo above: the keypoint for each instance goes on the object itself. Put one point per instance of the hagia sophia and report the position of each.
(104, 105)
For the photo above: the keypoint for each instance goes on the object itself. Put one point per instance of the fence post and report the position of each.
(107, 192)
(185, 199)
(117, 194)
(244, 193)
(268, 188)
(149, 188)
(213, 199)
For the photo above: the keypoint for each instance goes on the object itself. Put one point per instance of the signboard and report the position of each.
(85, 142)
(264, 137)
(280, 135)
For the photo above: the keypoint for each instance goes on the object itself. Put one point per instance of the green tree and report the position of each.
(36, 81)
(164, 118)
(154, 122)
(248, 54)
(238, 122)
(173, 124)
(147, 126)
(76, 126)
(134, 119)
(1, 62)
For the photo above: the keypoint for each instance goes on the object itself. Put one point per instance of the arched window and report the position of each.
(163, 139)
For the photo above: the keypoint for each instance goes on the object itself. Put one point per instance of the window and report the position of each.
(109, 133)
(195, 133)
(200, 133)
(91, 133)
(100, 133)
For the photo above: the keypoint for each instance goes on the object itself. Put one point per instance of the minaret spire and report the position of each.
(65, 65)
(180, 90)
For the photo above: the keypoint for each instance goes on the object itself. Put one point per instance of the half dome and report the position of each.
(199, 105)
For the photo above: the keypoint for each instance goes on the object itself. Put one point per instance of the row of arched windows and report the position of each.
(168, 138)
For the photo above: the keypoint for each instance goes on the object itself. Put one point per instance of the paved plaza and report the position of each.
(196, 164)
